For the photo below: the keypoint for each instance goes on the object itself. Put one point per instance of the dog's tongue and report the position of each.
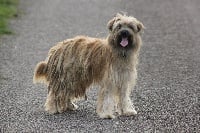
(124, 42)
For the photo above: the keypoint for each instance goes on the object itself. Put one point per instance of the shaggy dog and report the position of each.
(73, 65)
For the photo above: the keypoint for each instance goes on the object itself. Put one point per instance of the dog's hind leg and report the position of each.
(61, 100)
(51, 105)
(56, 100)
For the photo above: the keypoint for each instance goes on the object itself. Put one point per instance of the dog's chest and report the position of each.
(121, 74)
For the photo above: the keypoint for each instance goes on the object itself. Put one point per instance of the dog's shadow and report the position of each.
(82, 112)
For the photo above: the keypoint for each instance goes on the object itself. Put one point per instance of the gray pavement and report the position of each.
(168, 88)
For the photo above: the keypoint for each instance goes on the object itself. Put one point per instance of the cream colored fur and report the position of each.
(73, 65)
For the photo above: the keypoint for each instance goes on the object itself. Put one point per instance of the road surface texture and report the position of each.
(168, 88)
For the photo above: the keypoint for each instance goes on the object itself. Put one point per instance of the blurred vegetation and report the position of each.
(8, 9)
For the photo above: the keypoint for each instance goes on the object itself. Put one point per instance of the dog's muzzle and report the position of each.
(124, 38)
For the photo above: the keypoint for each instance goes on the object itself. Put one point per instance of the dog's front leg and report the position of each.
(106, 103)
(125, 101)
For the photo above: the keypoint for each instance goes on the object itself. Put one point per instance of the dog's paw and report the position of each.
(129, 112)
(72, 106)
(51, 110)
(62, 109)
(106, 116)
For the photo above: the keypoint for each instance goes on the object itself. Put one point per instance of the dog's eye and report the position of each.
(119, 26)
(131, 27)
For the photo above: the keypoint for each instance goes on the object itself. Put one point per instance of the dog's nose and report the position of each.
(124, 33)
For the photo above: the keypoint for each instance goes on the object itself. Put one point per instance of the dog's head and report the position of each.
(125, 32)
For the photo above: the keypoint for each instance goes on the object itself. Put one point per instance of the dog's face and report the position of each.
(124, 32)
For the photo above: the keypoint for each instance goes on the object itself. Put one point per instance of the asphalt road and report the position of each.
(168, 89)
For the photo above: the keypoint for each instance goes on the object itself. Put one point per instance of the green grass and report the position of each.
(8, 9)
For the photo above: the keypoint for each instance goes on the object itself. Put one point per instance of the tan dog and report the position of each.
(75, 64)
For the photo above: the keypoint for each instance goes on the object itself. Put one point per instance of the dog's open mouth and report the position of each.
(124, 41)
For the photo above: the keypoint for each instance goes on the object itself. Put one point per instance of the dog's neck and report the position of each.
(120, 52)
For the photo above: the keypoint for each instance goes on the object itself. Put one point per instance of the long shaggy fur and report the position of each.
(73, 65)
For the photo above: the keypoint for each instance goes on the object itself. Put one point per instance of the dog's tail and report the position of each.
(40, 73)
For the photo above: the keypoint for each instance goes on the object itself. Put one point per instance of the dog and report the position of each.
(76, 64)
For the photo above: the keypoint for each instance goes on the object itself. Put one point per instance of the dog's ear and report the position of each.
(110, 24)
(140, 26)
(115, 19)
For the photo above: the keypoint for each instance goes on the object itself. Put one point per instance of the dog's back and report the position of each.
(74, 64)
